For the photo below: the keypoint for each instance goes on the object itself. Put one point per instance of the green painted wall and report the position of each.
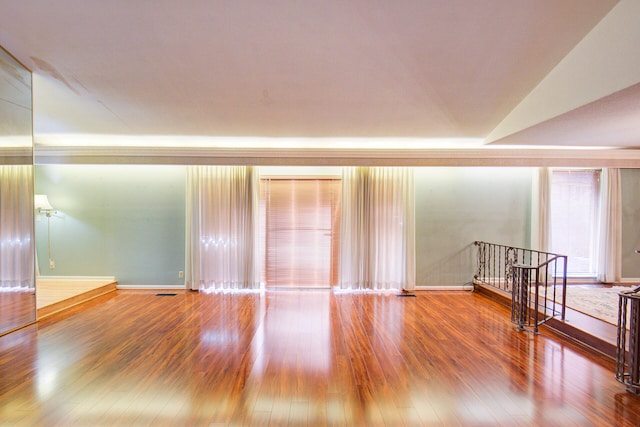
(114, 220)
(128, 221)
(456, 206)
(630, 183)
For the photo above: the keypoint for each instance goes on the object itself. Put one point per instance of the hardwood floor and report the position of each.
(17, 308)
(597, 334)
(56, 293)
(301, 358)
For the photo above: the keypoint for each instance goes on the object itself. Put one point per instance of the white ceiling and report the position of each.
(331, 68)
(612, 121)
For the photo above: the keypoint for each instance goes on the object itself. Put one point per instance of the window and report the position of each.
(300, 227)
(574, 219)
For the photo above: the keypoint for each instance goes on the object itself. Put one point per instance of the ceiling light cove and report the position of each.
(177, 141)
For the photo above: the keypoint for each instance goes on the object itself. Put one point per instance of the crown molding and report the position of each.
(621, 158)
(16, 156)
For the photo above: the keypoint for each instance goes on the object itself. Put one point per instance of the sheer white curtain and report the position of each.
(610, 233)
(377, 243)
(16, 227)
(541, 210)
(223, 211)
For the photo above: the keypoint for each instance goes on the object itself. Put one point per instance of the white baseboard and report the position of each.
(151, 288)
(417, 288)
(445, 288)
(82, 278)
(630, 280)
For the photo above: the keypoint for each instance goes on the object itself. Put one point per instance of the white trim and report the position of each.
(78, 278)
(467, 287)
(15, 155)
(628, 158)
(630, 280)
(151, 288)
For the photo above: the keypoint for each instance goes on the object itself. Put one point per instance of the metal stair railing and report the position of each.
(530, 278)
(628, 340)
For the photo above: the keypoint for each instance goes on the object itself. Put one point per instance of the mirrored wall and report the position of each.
(17, 289)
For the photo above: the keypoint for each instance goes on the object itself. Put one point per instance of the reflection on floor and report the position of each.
(56, 293)
(586, 327)
(594, 333)
(587, 330)
(17, 308)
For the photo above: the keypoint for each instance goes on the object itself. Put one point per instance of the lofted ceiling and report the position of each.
(287, 68)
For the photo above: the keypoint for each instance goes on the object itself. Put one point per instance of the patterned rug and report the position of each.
(596, 301)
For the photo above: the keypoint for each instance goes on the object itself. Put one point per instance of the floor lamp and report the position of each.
(42, 206)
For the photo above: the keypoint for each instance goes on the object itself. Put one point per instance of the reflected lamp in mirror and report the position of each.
(42, 205)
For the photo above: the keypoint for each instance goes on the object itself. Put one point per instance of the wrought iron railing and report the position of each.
(628, 340)
(535, 280)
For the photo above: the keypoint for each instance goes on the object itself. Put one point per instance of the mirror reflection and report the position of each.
(17, 289)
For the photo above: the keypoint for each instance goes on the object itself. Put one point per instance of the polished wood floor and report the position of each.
(53, 290)
(290, 357)
(17, 308)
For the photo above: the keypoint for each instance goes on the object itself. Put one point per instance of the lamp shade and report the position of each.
(41, 202)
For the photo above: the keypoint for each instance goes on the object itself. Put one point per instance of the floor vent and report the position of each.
(166, 295)
(404, 294)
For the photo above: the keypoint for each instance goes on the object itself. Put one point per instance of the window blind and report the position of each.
(300, 227)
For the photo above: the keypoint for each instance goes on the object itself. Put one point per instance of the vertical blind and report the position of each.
(300, 227)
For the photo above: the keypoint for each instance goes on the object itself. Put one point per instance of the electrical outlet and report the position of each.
(180, 274)
(52, 264)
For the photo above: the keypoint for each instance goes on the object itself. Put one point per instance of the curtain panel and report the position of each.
(610, 233)
(16, 227)
(377, 245)
(222, 219)
(541, 210)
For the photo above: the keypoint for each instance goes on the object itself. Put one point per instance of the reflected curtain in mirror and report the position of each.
(222, 216)
(377, 248)
(16, 235)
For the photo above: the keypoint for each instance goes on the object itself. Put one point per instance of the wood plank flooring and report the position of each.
(597, 334)
(54, 290)
(288, 357)
(17, 308)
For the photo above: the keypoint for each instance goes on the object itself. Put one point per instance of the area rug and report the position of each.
(596, 301)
